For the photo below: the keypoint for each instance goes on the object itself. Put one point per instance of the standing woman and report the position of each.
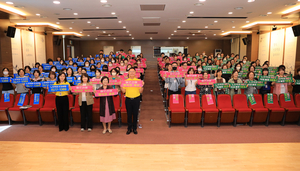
(7, 87)
(107, 109)
(86, 101)
(234, 79)
(62, 103)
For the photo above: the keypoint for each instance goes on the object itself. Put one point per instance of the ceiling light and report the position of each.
(230, 12)
(80, 32)
(205, 37)
(124, 27)
(129, 34)
(88, 35)
(214, 34)
(114, 38)
(202, 0)
(222, 31)
(70, 28)
(96, 38)
(206, 26)
(12, 10)
(193, 34)
(183, 21)
(187, 38)
(215, 21)
(113, 13)
(88, 22)
(178, 26)
(175, 31)
(103, 1)
(108, 34)
(233, 26)
(251, 0)
(172, 34)
(151, 38)
(97, 27)
(192, 12)
(127, 31)
(104, 31)
(67, 9)
(75, 13)
(57, 22)
(291, 10)
(269, 13)
(66, 33)
(247, 21)
(38, 24)
(132, 38)
(10, 3)
(238, 8)
(72, 22)
(38, 14)
(268, 22)
(236, 32)
(56, 2)
(169, 37)
(120, 21)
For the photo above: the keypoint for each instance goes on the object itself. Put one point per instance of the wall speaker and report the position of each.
(11, 32)
(58, 41)
(245, 40)
(296, 30)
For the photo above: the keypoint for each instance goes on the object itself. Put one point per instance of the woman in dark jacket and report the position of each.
(107, 109)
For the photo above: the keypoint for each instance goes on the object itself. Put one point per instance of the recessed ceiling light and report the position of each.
(10, 3)
(104, 31)
(88, 35)
(106, 5)
(80, 32)
(222, 31)
(214, 34)
(56, 2)
(199, 31)
(97, 27)
(96, 38)
(269, 13)
(67, 9)
(169, 37)
(198, 4)
(192, 12)
(230, 12)
(72, 22)
(178, 26)
(202, 0)
(57, 22)
(127, 31)
(129, 34)
(247, 21)
(124, 27)
(38, 14)
(132, 38)
(206, 26)
(113, 13)
(103, 1)
(151, 38)
(120, 21)
(70, 28)
(172, 34)
(215, 21)
(187, 38)
(205, 37)
(193, 34)
(183, 21)
(108, 34)
(114, 38)
(238, 8)
(88, 22)
(251, 0)
(233, 26)
(75, 13)
(175, 31)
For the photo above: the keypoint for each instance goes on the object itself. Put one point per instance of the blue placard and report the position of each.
(87, 68)
(80, 63)
(33, 84)
(55, 62)
(67, 62)
(29, 75)
(46, 67)
(70, 79)
(22, 99)
(55, 88)
(97, 61)
(76, 82)
(5, 79)
(36, 99)
(73, 68)
(84, 59)
(60, 67)
(20, 80)
(33, 69)
(47, 83)
(16, 75)
(74, 59)
(97, 56)
(45, 74)
(6, 97)
(91, 74)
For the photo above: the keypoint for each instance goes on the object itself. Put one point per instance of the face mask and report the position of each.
(238, 68)
(102, 60)
(105, 70)
(113, 61)
(110, 65)
(174, 68)
(199, 69)
(97, 74)
(244, 62)
(5, 72)
(53, 70)
(113, 74)
(86, 65)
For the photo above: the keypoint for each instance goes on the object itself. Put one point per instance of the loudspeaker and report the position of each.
(58, 41)
(296, 30)
(11, 32)
(245, 41)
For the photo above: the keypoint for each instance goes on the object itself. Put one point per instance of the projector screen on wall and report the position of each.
(171, 50)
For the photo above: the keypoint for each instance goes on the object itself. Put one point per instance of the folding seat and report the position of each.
(117, 106)
(75, 111)
(292, 113)
(32, 114)
(4, 116)
(210, 111)
(96, 110)
(193, 109)
(243, 112)
(259, 112)
(47, 113)
(297, 100)
(176, 110)
(123, 110)
(15, 112)
(276, 112)
(227, 112)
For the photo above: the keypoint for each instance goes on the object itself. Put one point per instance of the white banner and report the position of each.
(277, 41)
(290, 50)
(28, 48)
(16, 51)
(40, 48)
(264, 47)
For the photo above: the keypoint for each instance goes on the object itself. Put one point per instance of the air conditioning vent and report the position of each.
(152, 7)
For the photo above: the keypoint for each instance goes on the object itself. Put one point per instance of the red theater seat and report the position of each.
(292, 112)
(15, 112)
(193, 109)
(176, 110)
(47, 113)
(276, 112)
(243, 112)
(96, 110)
(227, 112)
(260, 113)
(32, 114)
(210, 112)
(4, 116)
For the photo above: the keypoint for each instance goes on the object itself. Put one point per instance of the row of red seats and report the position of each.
(238, 112)
(45, 111)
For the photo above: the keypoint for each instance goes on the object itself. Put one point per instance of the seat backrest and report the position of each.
(258, 100)
(297, 100)
(192, 105)
(224, 101)
(183, 91)
(76, 105)
(50, 101)
(31, 101)
(18, 98)
(96, 102)
(71, 100)
(7, 104)
(275, 103)
(286, 104)
(176, 105)
(240, 101)
(116, 100)
(205, 104)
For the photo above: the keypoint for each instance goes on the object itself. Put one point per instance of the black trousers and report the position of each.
(132, 107)
(86, 115)
(62, 106)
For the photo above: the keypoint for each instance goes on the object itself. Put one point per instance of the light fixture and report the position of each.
(57, 22)
(274, 28)
(247, 21)
(230, 12)
(206, 26)
(10, 3)
(75, 13)
(151, 38)
(199, 31)
(56, 2)
(120, 21)
(178, 27)
(267, 23)
(129, 34)
(192, 12)
(215, 21)
(104, 31)
(214, 34)
(193, 34)
(223, 31)
(187, 38)
(202, 0)
(205, 37)
(251, 0)
(96, 38)
(108, 34)
(236, 32)
(38, 14)
(269, 13)
(114, 38)
(172, 34)
(103, 1)
(124, 27)
(97, 27)
(13, 10)
(291, 10)
(233, 26)
(113, 13)
(175, 31)
(70, 28)
(88, 35)
(132, 38)
(88, 22)
(183, 21)
(169, 37)
(127, 31)
(38, 24)
(80, 32)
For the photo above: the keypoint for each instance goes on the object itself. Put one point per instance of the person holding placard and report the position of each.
(20, 88)
(280, 88)
(267, 87)
(132, 101)
(37, 78)
(86, 101)
(219, 79)
(114, 76)
(107, 109)
(251, 89)
(51, 77)
(190, 85)
(62, 103)
(235, 79)
(296, 87)
(7, 87)
(174, 83)
(204, 89)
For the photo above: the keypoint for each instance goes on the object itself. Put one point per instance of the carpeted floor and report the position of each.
(154, 129)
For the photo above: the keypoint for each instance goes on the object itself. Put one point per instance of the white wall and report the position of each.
(238, 47)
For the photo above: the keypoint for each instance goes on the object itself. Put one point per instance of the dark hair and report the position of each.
(132, 68)
(281, 67)
(4, 69)
(219, 70)
(114, 70)
(175, 63)
(93, 67)
(84, 75)
(52, 73)
(37, 72)
(234, 72)
(104, 77)
(27, 67)
(64, 69)
(190, 70)
(21, 70)
(250, 73)
(265, 69)
(49, 60)
(236, 66)
(53, 67)
(250, 67)
(37, 63)
(72, 72)
(98, 70)
(61, 73)
(298, 70)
